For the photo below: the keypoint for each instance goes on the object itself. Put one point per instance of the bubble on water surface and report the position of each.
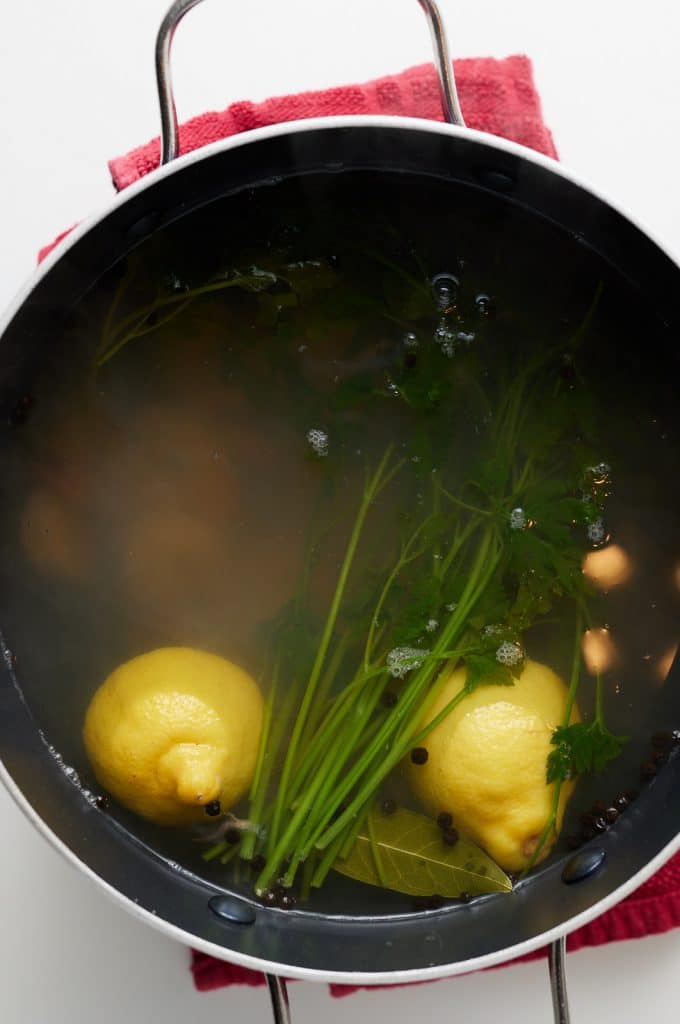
(509, 653)
(600, 474)
(318, 439)
(445, 288)
(596, 531)
(401, 660)
(483, 304)
(445, 338)
(518, 519)
(70, 772)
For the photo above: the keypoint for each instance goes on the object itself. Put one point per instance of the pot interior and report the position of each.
(162, 386)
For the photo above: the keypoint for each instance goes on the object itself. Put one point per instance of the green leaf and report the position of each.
(408, 852)
(580, 748)
(485, 670)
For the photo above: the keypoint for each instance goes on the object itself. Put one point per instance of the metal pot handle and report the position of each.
(558, 987)
(557, 955)
(278, 993)
(166, 99)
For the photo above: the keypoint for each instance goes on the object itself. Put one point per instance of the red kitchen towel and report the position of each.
(497, 96)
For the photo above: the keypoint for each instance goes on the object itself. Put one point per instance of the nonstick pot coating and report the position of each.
(300, 941)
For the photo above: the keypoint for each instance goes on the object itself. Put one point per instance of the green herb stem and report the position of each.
(599, 700)
(258, 789)
(371, 489)
(373, 765)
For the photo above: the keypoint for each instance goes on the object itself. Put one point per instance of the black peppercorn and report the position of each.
(598, 808)
(631, 795)
(620, 802)
(465, 897)
(388, 807)
(102, 802)
(419, 755)
(647, 770)
(233, 836)
(213, 808)
(410, 360)
(287, 901)
(388, 699)
(269, 898)
(599, 825)
(573, 842)
(450, 836)
(587, 820)
(258, 862)
(587, 834)
(445, 820)
(675, 736)
(611, 815)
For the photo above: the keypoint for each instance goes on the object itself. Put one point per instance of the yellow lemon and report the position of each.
(173, 730)
(487, 762)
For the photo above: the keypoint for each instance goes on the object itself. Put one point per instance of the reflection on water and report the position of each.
(608, 567)
(599, 651)
(663, 666)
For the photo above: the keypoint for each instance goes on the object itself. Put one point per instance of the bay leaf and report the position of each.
(405, 851)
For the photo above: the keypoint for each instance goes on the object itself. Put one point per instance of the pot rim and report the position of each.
(315, 124)
(363, 978)
(173, 931)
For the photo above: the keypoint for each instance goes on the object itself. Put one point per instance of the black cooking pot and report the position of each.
(378, 941)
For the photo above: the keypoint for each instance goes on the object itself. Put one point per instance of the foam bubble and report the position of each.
(318, 439)
(70, 772)
(509, 653)
(401, 660)
(596, 531)
(518, 519)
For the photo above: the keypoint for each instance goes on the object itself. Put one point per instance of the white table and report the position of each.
(76, 87)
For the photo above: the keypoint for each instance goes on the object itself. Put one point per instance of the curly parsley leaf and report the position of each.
(580, 748)
(486, 670)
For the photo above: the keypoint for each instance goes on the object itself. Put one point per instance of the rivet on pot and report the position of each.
(233, 910)
(583, 865)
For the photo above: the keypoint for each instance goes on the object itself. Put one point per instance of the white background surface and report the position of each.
(76, 87)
